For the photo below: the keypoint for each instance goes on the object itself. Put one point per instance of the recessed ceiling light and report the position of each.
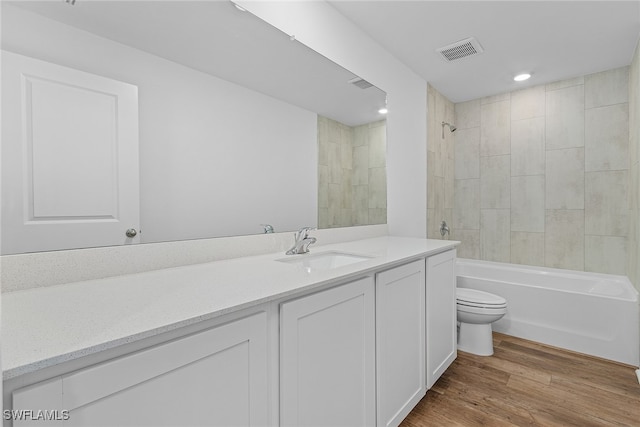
(383, 110)
(522, 77)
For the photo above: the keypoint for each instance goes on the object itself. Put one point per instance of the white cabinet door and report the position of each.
(441, 314)
(218, 377)
(69, 157)
(400, 341)
(327, 369)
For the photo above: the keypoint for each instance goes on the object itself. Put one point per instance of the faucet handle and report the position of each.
(303, 233)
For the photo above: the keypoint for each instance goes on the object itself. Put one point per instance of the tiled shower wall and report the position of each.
(440, 163)
(633, 265)
(542, 175)
(352, 182)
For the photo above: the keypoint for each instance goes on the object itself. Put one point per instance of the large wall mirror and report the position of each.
(239, 125)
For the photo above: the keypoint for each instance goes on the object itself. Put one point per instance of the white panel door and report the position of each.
(400, 341)
(69, 158)
(327, 369)
(442, 346)
(218, 377)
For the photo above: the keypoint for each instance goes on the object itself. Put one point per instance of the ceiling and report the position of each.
(216, 38)
(552, 40)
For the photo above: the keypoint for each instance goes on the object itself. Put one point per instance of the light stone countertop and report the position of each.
(43, 327)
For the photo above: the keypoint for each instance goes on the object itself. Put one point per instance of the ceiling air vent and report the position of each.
(460, 49)
(361, 83)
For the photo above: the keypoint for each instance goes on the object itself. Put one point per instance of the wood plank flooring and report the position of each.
(529, 384)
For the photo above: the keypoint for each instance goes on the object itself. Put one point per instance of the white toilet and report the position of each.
(477, 310)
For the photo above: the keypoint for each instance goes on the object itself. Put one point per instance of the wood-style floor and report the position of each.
(525, 383)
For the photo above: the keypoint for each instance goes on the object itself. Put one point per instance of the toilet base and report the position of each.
(475, 339)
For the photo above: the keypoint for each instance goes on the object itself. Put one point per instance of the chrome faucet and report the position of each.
(301, 245)
(444, 229)
(268, 228)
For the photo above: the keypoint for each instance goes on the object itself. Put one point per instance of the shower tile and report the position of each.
(347, 190)
(377, 188)
(438, 193)
(495, 235)
(335, 163)
(495, 128)
(495, 98)
(335, 204)
(565, 179)
(438, 217)
(607, 138)
(346, 154)
(377, 216)
(565, 118)
(528, 103)
(377, 147)
(360, 136)
(431, 189)
(527, 248)
(438, 158)
(606, 88)
(470, 243)
(527, 147)
(441, 107)
(466, 210)
(323, 218)
(634, 188)
(564, 239)
(467, 114)
(634, 137)
(449, 185)
(606, 203)
(432, 231)
(361, 165)
(605, 254)
(565, 83)
(334, 132)
(495, 180)
(346, 218)
(323, 186)
(467, 153)
(448, 216)
(449, 110)
(346, 134)
(360, 204)
(527, 203)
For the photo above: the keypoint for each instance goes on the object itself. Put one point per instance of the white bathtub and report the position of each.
(596, 314)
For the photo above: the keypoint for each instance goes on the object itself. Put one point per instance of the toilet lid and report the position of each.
(473, 296)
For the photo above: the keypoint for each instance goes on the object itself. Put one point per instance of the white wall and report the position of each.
(216, 159)
(329, 33)
(324, 29)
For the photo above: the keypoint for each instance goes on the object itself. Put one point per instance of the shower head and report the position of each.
(452, 128)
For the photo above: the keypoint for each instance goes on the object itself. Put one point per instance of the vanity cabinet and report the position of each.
(441, 314)
(327, 357)
(358, 352)
(400, 341)
(215, 377)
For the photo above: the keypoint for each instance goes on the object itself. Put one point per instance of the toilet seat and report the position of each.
(475, 312)
(478, 299)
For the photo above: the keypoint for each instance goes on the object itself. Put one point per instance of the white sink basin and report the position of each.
(324, 260)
